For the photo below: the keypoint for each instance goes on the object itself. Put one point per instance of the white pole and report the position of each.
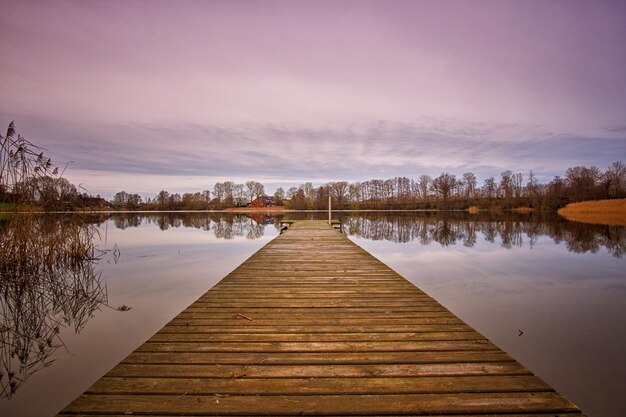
(329, 210)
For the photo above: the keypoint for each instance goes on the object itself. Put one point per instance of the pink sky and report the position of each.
(153, 94)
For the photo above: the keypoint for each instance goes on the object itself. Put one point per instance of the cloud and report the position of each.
(186, 154)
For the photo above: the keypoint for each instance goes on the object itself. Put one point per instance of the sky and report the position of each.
(148, 95)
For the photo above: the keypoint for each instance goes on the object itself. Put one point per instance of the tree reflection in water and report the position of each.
(512, 231)
(224, 225)
(48, 281)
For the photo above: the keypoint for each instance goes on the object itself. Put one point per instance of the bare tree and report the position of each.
(229, 197)
(443, 185)
(424, 184)
(582, 182)
(489, 188)
(518, 187)
(339, 191)
(354, 192)
(255, 189)
(279, 196)
(310, 192)
(163, 198)
(218, 191)
(240, 195)
(469, 183)
(614, 180)
(532, 189)
(206, 195)
(506, 184)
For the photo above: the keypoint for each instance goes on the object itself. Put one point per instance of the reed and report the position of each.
(21, 163)
(610, 212)
(48, 281)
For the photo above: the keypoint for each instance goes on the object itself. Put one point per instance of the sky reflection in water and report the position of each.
(562, 284)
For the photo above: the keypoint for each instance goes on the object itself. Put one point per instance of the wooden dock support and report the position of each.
(312, 324)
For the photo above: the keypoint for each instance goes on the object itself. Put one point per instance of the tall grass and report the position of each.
(21, 162)
(48, 281)
(48, 277)
(611, 212)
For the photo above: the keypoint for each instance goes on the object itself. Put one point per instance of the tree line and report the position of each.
(447, 191)
(224, 195)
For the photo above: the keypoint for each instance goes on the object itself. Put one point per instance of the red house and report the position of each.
(263, 201)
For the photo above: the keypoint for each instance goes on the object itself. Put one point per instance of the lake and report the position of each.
(551, 293)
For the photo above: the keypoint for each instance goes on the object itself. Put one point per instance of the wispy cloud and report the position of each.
(284, 155)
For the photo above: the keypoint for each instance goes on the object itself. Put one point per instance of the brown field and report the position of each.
(611, 212)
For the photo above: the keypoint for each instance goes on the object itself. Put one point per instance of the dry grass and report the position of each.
(611, 212)
(473, 209)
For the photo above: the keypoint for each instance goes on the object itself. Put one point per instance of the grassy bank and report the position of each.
(612, 212)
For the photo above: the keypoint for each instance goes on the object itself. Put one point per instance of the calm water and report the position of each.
(562, 284)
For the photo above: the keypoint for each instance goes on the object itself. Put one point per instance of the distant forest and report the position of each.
(447, 192)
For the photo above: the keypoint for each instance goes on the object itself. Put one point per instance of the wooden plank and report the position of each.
(318, 371)
(165, 336)
(312, 324)
(324, 404)
(251, 328)
(408, 346)
(316, 386)
(436, 317)
(314, 358)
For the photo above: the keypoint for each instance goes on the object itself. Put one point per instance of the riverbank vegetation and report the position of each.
(611, 212)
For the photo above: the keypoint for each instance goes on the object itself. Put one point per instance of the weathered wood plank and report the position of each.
(409, 346)
(325, 404)
(164, 336)
(425, 318)
(316, 386)
(314, 358)
(318, 371)
(251, 328)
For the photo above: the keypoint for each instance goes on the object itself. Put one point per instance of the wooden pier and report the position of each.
(312, 324)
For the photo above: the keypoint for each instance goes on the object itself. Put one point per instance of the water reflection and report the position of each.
(511, 232)
(509, 229)
(48, 280)
(49, 277)
(223, 225)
